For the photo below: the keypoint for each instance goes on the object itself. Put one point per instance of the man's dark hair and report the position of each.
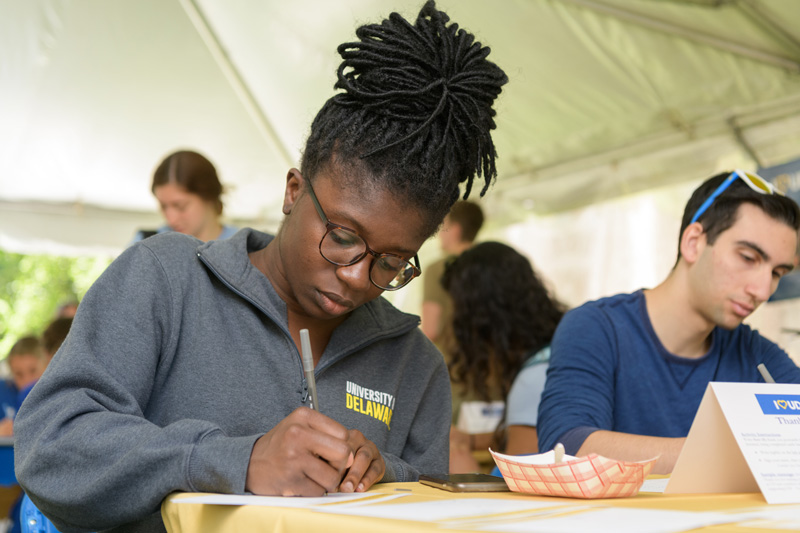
(415, 112)
(721, 215)
(469, 216)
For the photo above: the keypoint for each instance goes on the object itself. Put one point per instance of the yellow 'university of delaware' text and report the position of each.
(370, 408)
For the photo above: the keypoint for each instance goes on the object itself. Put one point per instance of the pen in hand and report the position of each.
(308, 367)
(765, 373)
(311, 382)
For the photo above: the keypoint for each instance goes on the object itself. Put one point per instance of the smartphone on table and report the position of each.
(475, 482)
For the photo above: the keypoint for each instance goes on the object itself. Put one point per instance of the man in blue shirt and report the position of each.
(627, 373)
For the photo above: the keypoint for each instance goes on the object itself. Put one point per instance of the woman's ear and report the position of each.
(693, 241)
(292, 192)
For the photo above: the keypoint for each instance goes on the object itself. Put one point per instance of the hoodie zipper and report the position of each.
(298, 362)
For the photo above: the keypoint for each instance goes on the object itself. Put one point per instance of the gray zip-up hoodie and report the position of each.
(180, 358)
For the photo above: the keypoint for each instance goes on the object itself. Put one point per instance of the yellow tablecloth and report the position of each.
(199, 518)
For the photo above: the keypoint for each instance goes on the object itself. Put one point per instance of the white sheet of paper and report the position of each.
(791, 524)
(447, 509)
(618, 520)
(475, 523)
(654, 485)
(272, 501)
(358, 503)
(781, 517)
(745, 437)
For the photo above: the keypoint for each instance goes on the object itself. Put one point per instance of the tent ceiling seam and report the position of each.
(741, 141)
(233, 76)
(685, 33)
(88, 209)
(634, 149)
(761, 16)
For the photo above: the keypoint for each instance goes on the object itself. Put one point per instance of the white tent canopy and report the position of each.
(606, 98)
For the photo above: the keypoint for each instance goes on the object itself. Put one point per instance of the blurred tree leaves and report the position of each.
(32, 287)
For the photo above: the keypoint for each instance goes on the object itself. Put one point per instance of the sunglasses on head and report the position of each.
(753, 180)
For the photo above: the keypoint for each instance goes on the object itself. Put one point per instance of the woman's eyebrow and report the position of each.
(354, 225)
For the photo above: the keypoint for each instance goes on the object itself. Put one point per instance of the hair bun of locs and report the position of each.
(433, 87)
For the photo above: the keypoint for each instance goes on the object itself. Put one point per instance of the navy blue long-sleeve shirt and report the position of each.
(609, 371)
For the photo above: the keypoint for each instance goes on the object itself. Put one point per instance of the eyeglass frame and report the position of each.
(330, 226)
(745, 177)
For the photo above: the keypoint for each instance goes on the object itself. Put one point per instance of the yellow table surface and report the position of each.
(198, 518)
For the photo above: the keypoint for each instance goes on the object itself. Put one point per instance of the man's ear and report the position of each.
(294, 181)
(693, 241)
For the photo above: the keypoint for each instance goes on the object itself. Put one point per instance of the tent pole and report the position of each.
(761, 16)
(241, 88)
(692, 35)
(739, 136)
(708, 128)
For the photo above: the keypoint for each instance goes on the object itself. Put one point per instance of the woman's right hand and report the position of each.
(306, 454)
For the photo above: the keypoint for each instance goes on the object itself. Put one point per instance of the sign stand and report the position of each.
(744, 438)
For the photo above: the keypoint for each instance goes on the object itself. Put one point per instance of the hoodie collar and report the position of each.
(229, 261)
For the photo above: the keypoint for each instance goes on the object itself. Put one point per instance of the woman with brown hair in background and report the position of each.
(189, 194)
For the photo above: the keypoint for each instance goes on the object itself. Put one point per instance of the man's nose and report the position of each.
(762, 285)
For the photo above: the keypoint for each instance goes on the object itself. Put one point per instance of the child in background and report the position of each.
(26, 361)
(8, 402)
(52, 339)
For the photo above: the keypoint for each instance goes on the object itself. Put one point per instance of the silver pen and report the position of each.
(765, 373)
(308, 367)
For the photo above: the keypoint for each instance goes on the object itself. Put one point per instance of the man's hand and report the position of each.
(306, 454)
(630, 447)
(368, 467)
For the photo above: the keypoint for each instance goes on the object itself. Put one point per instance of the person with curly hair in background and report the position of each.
(503, 320)
(182, 371)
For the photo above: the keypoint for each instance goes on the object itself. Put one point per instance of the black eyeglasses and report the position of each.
(342, 246)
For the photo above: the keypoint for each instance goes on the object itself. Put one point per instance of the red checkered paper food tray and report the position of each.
(593, 476)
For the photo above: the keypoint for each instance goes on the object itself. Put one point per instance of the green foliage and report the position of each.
(32, 287)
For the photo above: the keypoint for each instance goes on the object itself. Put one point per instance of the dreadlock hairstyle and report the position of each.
(416, 111)
(502, 314)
